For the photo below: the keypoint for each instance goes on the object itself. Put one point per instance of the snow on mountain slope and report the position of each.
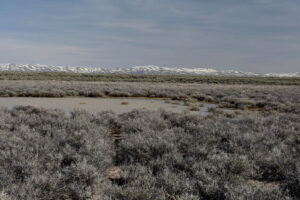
(296, 74)
(48, 68)
(149, 69)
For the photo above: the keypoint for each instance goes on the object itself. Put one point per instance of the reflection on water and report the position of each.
(117, 105)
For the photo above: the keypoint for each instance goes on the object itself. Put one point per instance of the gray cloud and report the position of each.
(258, 35)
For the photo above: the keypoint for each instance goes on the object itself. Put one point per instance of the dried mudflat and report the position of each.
(117, 105)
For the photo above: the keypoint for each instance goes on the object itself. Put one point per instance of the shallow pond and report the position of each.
(117, 105)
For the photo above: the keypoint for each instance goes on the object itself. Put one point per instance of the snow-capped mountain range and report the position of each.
(148, 69)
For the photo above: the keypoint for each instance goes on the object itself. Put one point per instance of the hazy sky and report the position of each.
(247, 35)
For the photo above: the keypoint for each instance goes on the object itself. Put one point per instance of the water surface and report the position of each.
(117, 105)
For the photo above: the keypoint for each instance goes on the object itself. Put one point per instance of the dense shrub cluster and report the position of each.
(280, 98)
(172, 156)
(46, 154)
(51, 155)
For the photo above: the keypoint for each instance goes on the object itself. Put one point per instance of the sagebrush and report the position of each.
(49, 154)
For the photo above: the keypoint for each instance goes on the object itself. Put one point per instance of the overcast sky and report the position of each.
(248, 35)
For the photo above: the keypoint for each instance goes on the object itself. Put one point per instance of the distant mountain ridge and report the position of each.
(148, 69)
